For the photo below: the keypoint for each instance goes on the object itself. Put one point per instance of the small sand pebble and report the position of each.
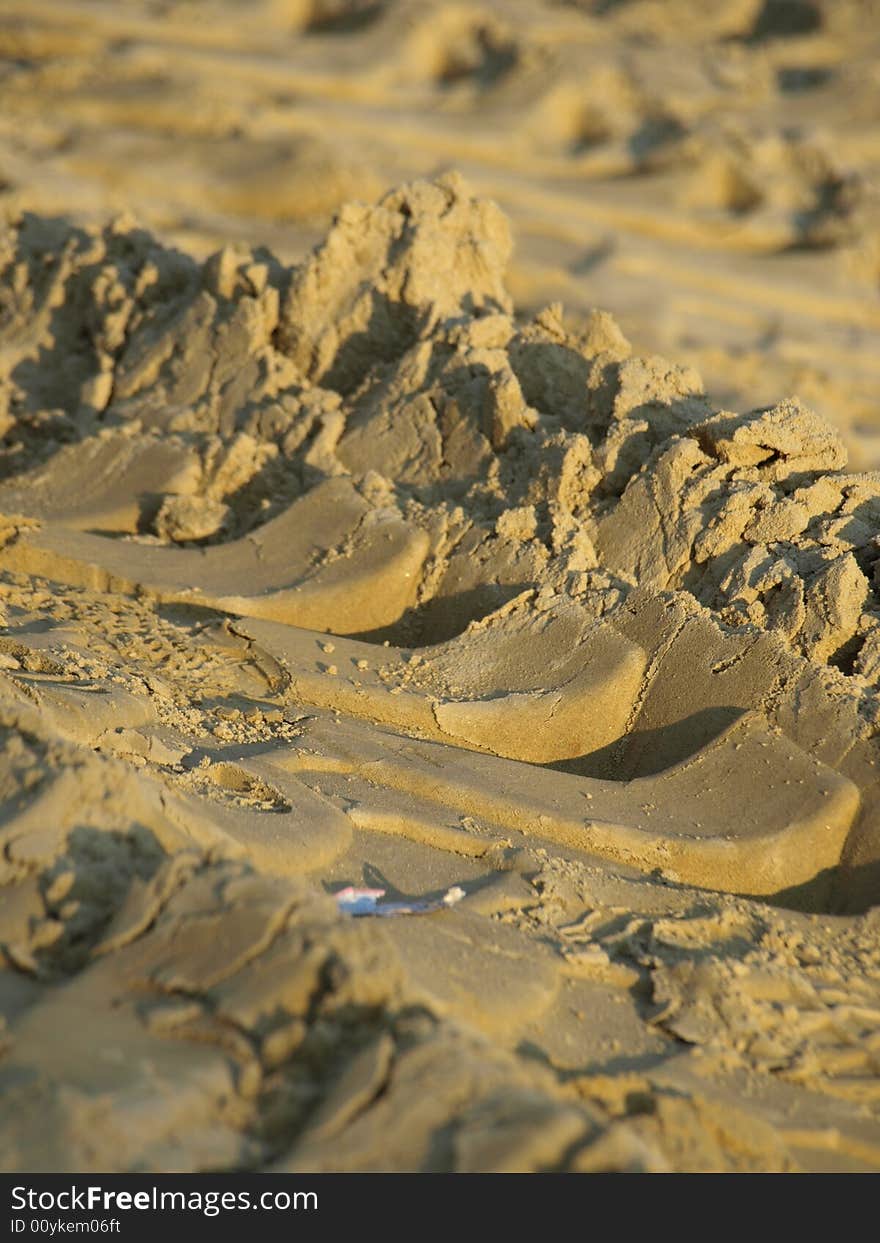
(328, 647)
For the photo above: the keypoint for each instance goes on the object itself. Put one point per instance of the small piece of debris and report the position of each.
(352, 901)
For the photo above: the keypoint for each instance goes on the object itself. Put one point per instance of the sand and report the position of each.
(335, 550)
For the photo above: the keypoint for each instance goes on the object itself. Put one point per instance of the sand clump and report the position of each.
(527, 455)
(344, 572)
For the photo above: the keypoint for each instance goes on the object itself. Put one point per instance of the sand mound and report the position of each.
(343, 573)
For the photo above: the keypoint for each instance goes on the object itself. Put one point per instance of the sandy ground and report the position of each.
(344, 542)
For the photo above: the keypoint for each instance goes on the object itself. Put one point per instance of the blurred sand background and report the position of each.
(708, 172)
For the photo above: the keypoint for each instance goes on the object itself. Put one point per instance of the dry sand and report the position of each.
(338, 553)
